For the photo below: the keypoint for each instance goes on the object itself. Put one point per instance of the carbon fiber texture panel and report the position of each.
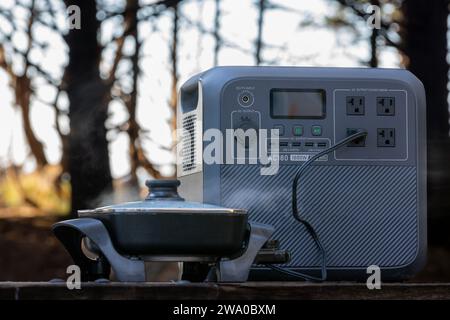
(364, 215)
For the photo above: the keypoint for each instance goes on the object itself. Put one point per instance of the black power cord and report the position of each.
(295, 212)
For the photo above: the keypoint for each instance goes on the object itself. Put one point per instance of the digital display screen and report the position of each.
(297, 103)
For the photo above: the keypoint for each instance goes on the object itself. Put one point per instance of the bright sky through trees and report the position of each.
(288, 42)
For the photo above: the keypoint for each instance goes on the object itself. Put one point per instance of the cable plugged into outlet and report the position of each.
(358, 142)
(360, 133)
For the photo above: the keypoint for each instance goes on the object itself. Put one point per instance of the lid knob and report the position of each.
(163, 190)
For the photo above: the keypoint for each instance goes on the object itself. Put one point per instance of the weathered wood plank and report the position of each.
(7, 292)
(113, 290)
(244, 291)
(332, 291)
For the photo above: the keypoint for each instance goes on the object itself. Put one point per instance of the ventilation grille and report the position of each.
(374, 221)
(189, 144)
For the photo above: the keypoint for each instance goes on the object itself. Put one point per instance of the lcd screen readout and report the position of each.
(293, 103)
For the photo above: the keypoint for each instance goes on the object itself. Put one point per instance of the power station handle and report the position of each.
(189, 94)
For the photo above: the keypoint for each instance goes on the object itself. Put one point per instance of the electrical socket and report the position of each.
(359, 142)
(385, 106)
(386, 137)
(355, 105)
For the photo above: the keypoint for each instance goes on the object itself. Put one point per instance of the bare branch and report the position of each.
(154, 9)
(38, 68)
(356, 8)
(204, 30)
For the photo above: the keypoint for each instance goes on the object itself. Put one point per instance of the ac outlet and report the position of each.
(386, 137)
(385, 106)
(359, 142)
(355, 105)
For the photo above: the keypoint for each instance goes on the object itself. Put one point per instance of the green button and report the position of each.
(298, 130)
(316, 130)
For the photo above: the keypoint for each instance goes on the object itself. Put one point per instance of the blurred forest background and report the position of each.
(86, 115)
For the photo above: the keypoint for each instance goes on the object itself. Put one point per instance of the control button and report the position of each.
(316, 130)
(280, 127)
(246, 121)
(297, 130)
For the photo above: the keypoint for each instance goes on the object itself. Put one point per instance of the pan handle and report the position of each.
(238, 269)
(124, 269)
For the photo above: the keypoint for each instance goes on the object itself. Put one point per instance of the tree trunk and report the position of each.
(424, 35)
(373, 63)
(133, 127)
(174, 70)
(259, 40)
(217, 38)
(23, 100)
(21, 86)
(88, 97)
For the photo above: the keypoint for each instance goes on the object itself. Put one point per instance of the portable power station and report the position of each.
(366, 200)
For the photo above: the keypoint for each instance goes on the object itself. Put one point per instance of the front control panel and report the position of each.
(312, 115)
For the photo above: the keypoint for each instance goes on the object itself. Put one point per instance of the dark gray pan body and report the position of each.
(175, 233)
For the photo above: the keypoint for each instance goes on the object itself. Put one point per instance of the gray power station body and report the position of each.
(367, 201)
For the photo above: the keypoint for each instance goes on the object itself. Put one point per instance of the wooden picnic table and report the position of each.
(211, 291)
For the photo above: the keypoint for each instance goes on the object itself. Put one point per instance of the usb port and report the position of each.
(321, 144)
(309, 144)
(296, 144)
(284, 143)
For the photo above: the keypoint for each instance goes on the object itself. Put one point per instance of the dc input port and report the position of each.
(245, 99)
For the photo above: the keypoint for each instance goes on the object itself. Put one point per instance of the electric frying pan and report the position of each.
(164, 223)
